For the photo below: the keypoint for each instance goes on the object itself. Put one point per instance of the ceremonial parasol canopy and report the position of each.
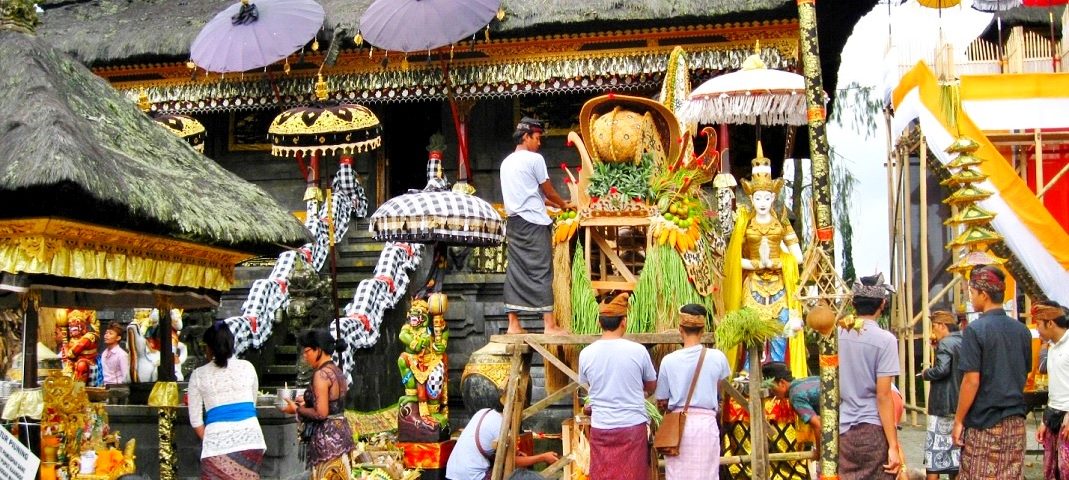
(755, 94)
(255, 33)
(324, 128)
(447, 217)
(187, 128)
(421, 25)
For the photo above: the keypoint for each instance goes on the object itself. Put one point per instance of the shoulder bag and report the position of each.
(670, 432)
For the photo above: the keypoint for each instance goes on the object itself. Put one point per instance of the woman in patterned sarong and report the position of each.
(222, 411)
(322, 408)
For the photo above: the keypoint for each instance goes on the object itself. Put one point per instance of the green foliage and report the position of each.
(584, 305)
(436, 143)
(744, 326)
(630, 180)
(662, 288)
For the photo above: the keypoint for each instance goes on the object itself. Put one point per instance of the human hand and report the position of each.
(1041, 433)
(894, 462)
(550, 457)
(957, 434)
(290, 407)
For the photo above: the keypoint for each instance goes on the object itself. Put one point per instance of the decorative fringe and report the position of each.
(328, 150)
(950, 101)
(562, 311)
(995, 5)
(774, 109)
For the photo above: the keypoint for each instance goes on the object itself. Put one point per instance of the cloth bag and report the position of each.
(670, 432)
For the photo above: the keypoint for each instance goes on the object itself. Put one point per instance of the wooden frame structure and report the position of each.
(521, 348)
(904, 154)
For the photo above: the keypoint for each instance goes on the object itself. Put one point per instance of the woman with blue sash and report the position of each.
(222, 410)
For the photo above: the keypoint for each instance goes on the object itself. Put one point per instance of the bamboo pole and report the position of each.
(907, 275)
(815, 114)
(926, 346)
(505, 444)
(772, 457)
(758, 436)
(1039, 159)
(829, 404)
(937, 297)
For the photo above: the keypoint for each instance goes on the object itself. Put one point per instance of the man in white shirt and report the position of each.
(473, 454)
(526, 190)
(619, 375)
(1053, 434)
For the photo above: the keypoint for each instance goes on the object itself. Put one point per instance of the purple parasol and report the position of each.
(253, 34)
(421, 25)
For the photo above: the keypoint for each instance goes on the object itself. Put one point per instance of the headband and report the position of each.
(985, 279)
(1046, 313)
(872, 287)
(691, 320)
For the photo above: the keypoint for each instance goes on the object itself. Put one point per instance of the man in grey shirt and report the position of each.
(868, 361)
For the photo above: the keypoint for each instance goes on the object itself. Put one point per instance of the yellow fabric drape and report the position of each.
(1018, 196)
(164, 394)
(733, 292)
(55, 258)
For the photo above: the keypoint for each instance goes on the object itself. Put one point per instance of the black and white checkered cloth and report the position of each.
(266, 296)
(447, 217)
(436, 180)
(373, 296)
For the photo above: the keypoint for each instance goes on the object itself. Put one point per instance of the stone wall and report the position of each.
(142, 423)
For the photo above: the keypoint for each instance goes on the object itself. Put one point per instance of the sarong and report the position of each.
(529, 274)
(699, 449)
(1055, 457)
(337, 468)
(863, 453)
(243, 465)
(995, 453)
(620, 453)
(940, 454)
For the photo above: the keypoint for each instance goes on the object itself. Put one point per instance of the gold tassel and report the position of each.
(500, 14)
(315, 45)
(358, 39)
(487, 33)
(404, 63)
(451, 46)
(286, 66)
(950, 101)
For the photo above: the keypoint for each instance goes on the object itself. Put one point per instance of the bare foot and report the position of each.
(556, 331)
(515, 332)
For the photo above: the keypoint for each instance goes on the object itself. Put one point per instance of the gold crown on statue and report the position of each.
(761, 176)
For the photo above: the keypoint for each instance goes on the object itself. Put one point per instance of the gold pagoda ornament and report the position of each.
(970, 222)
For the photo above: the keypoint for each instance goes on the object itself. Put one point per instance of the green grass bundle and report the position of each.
(745, 326)
(662, 288)
(584, 304)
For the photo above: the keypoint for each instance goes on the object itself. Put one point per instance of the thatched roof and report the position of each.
(100, 31)
(72, 147)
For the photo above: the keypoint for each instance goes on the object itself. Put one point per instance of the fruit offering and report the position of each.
(565, 226)
(678, 224)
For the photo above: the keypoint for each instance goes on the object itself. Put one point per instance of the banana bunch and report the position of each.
(678, 225)
(565, 226)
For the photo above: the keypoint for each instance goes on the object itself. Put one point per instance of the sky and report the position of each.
(872, 58)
